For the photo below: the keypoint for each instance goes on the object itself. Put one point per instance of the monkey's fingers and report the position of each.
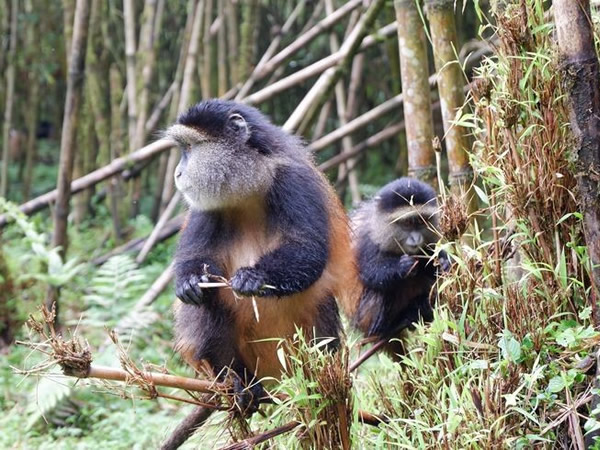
(248, 282)
(189, 292)
(247, 398)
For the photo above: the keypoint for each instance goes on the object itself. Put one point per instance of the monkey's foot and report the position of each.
(247, 398)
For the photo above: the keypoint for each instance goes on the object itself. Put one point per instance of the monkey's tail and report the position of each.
(187, 427)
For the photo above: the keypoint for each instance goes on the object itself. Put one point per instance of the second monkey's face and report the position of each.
(219, 172)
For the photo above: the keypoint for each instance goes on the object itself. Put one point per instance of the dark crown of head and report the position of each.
(212, 116)
(405, 191)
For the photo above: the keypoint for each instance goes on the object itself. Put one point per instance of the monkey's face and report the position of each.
(410, 230)
(219, 172)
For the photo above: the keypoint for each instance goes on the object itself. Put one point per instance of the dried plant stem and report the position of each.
(153, 378)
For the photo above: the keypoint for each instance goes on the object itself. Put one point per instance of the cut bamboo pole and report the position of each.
(316, 68)
(361, 121)
(166, 215)
(311, 104)
(116, 166)
(307, 37)
(414, 71)
(155, 378)
(273, 46)
(9, 99)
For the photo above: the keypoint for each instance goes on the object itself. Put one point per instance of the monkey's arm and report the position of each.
(192, 259)
(380, 270)
(296, 209)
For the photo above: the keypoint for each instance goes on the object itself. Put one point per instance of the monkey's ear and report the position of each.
(239, 125)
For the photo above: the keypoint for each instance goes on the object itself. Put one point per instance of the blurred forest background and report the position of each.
(442, 90)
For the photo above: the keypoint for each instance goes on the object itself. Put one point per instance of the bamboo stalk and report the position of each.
(232, 39)
(69, 129)
(273, 46)
(385, 134)
(130, 58)
(308, 108)
(159, 108)
(451, 82)
(414, 71)
(184, 98)
(9, 99)
(316, 68)
(581, 71)
(248, 42)
(115, 187)
(223, 84)
(33, 103)
(340, 99)
(116, 166)
(206, 73)
(147, 60)
(158, 206)
(307, 37)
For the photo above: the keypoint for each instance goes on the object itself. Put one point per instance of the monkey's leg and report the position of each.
(187, 427)
(328, 324)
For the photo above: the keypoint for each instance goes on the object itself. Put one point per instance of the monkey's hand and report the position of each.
(187, 289)
(444, 262)
(407, 266)
(247, 398)
(249, 281)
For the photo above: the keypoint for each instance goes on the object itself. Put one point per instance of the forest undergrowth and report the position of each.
(506, 363)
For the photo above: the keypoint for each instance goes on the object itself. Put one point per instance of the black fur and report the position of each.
(396, 286)
(404, 191)
(302, 220)
(295, 209)
(212, 117)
